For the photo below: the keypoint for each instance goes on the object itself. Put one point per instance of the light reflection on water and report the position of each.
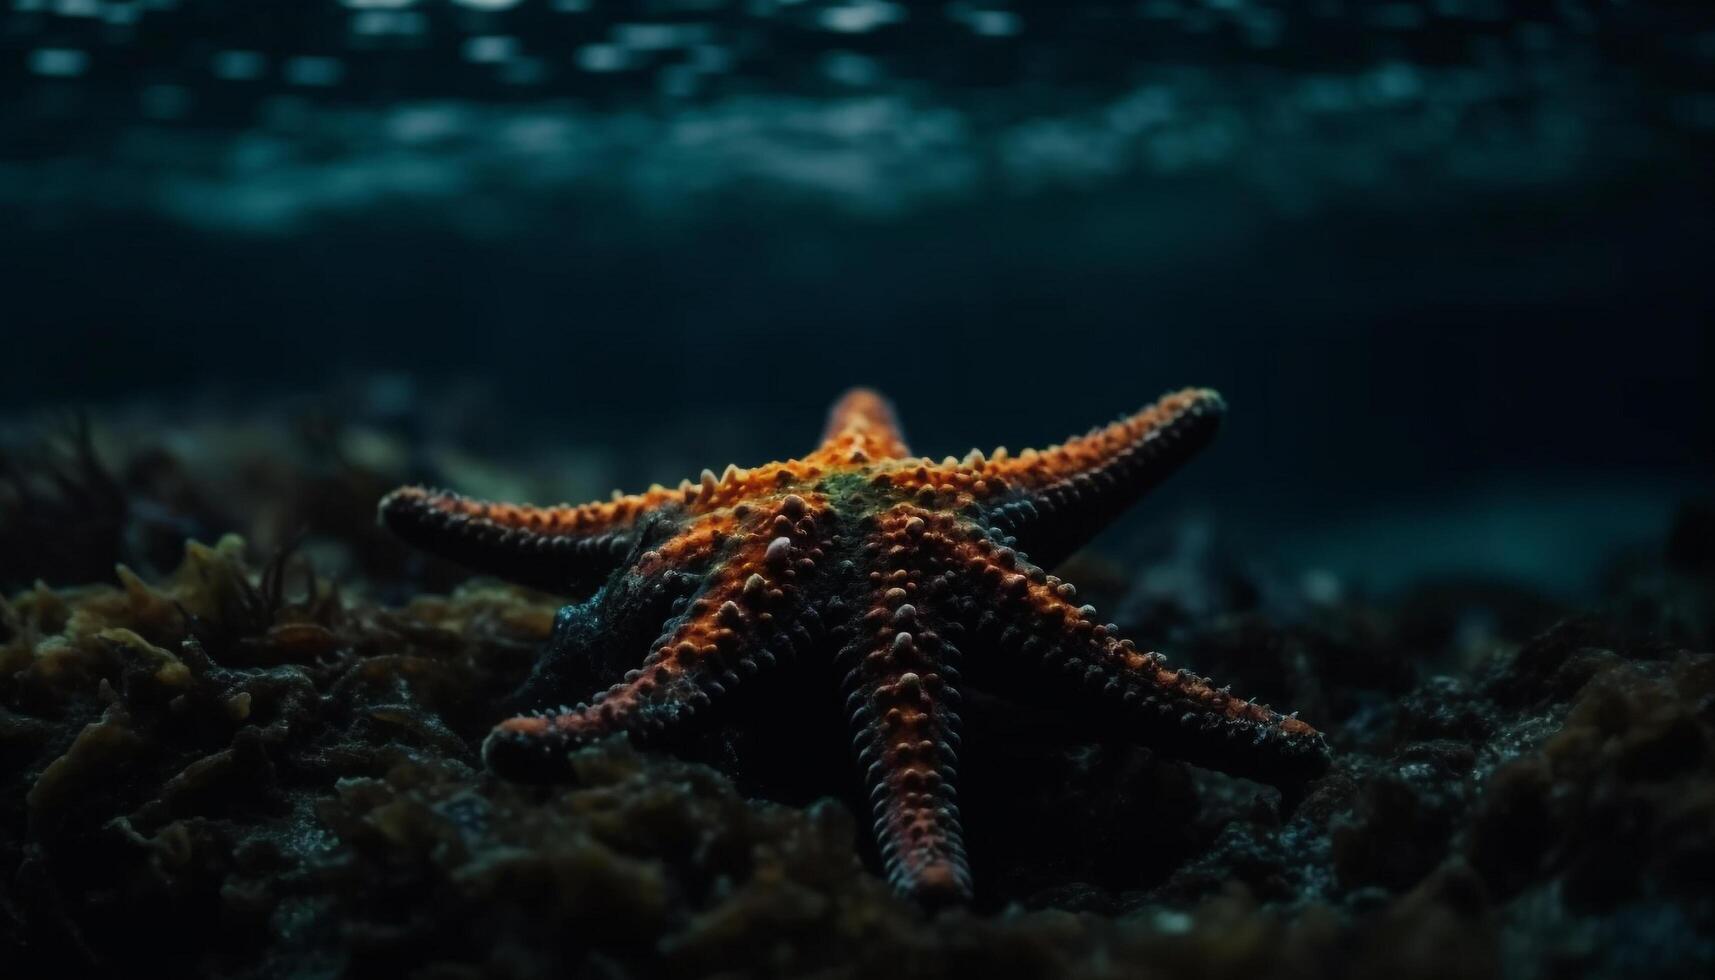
(296, 109)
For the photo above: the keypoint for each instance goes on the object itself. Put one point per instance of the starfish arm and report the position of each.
(551, 548)
(1047, 644)
(1055, 500)
(900, 685)
(750, 614)
(861, 428)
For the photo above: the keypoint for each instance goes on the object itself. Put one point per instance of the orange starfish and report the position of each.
(901, 572)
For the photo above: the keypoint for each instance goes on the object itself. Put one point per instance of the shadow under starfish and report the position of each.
(909, 578)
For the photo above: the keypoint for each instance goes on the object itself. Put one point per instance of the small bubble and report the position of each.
(851, 68)
(994, 23)
(238, 66)
(314, 71)
(603, 58)
(59, 62)
(858, 18)
(490, 49)
(1173, 923)
(659, 37)
(375, 23)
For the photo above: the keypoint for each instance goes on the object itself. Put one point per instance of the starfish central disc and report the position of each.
(904, 573)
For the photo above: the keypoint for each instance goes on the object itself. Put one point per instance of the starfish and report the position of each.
(900, 573)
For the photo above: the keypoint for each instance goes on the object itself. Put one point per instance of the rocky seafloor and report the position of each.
(239, 730)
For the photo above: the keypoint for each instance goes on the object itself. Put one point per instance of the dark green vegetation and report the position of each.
(240, 767)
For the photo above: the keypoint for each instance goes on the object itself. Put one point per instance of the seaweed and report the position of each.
(247, 769)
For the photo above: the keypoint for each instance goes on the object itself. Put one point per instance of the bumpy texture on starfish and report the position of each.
(906, 574)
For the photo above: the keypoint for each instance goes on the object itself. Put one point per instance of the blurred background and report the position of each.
(1449, 260)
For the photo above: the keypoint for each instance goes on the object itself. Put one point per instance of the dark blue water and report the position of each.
(1448, 261)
